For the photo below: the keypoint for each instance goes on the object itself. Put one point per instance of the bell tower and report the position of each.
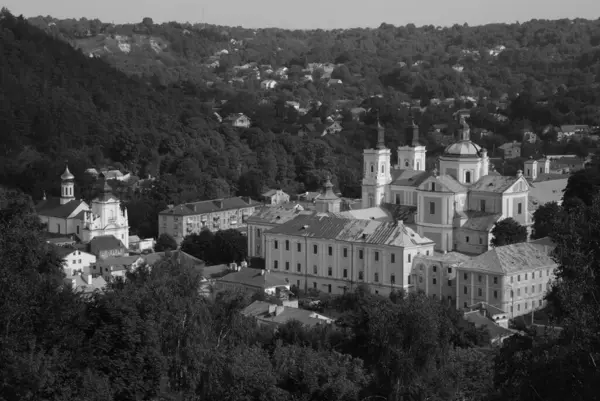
(376, 172)
(412, 157)
(67, 187)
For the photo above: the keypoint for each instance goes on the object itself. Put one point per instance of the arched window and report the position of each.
(406, 163)
(372, 168)
(371, 201)
(383, 169)
(468, 177)
(418, 166)
(58, 228)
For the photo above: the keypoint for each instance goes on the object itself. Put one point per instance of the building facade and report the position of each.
(514, 278)
(335, 254)
(214, 215)
(67, 215)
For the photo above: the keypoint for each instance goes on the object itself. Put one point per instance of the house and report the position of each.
(217, 214)
(249, 279)
(74, 260)
(511, 150)
(140, 245)
(238, 120)
(334, 254)
(513, 278)
(293, 104)
(112, 267)
(273, 315)
(333, 81)
(358, 113)
(569, 130)
(85, 284)
(333, 128)
(275, 197)
(59, 239)
(530, 137)
(483, 317)
(268, 84)
(566, 164)
(106, 246)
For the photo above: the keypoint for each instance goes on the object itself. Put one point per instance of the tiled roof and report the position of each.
(371, 213)
(448, 257)
(78, 284)
(63, 251)
(494, 183)
(104, 243)
(549, 177)
(510, 259)
(260, 310)
(209, 206)
(134, 239)
(548, 191)
(254, 278)
(409, 178)
(496, 332)
(274, 215)
(451, 183)
(546, 241)
(480, 221)
(117, 261)
(270, 192)
(363, 231)
(154, 257)
(52, 208)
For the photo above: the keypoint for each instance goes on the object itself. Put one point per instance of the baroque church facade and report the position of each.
(457, 203)
(70, 216)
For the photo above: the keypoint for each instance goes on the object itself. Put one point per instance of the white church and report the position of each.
(70, 216)
(455, 204)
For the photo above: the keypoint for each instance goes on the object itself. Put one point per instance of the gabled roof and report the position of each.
(494, 183)
(409, 178)
(362, 231)
(550, 177)
(274, 215)
(260, 311)
(209, 206)
(104, 243)
(496, 332)
(511, 259)
(449, 183)
(63, 251)
(480, 221)
(548, 191)
(255, 278)
(52, 208)
(78, 284)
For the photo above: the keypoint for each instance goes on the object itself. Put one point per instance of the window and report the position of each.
(360, 254)
(526, 305)
(479, 278)
(315, 248)
(299, 267)
(409, 279)
(345, 273)
(434, 268)
(298, 283)
(329, 288)
(315, 270)
(406, 163)
(525, 276)
(465, 304)
(275, 264)
(287, 265)
(434, 281)
(482, 205)
(519, 277)
(382, 169)
(511, 280)
(467, 177)
(431, 207)
(393, 279)
(409, 258)
(376, 256)
(511, 309)
(480, 240)
(79, 261)
(449, 283)
(420, 279)
(397, 199)
(547, 272)
(376, 277)
(372, 168)
(540, 288)
(466, 290)
(466, 276)
(512, 294)
(518, 307)
(299, 247)
(276, 244)
(345, 252)
(433, 186)
(532, 289)
(518, 292)
(540, 276)
(495, 294)
(449, 270)
(495, 280)
(393, 258)
(287, 245)
(77, 229)
(330, 271)
(520, 208)
(467, 238)
(479, 292)
(330, 250)
(360, 275)
(74, 261)
(314, 284)
(427, 252)
(540, 302)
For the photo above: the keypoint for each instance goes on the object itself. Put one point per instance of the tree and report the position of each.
(200, 245)
(544, 219)
(508, 231)
(165, 242)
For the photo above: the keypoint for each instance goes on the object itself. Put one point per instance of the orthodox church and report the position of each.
(457, 203)
(67, 215)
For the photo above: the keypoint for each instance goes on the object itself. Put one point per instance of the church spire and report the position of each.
(415, 129)
(380, 134)
(465, 129)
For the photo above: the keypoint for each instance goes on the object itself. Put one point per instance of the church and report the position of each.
(70, 216)
(457, 203)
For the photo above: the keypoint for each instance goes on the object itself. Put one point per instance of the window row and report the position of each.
(361, 254)
(315, 271)
(533, 275)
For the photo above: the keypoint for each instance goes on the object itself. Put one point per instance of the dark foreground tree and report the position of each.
(165, 243)
(544, 219)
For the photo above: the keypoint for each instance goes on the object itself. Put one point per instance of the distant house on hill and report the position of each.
(511, 150)
(275, 197)
(238, 120)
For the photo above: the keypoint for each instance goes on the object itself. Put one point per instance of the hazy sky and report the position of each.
(325, 14)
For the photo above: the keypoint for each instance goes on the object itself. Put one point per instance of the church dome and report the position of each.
(66, 176)
(464, 148)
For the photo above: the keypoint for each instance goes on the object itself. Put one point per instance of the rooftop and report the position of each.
(480, 221)
(341, 229)
(255, 278)
(275, 215)
(548, 191)
(52, 208)
(496, 332)
(510, 259)
(260, 310)
(105, 242)
(209, 206)
(494, 183)
(409, 178)
(448, 257)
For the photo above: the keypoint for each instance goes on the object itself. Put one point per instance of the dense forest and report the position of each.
(61, 105)
(154, 337)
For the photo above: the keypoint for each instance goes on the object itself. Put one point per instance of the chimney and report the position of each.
(73, 282)
(272, 309)
(263, 272)
(89, 279)
(279, 309)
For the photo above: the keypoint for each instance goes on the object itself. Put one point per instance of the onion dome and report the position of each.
(67, 176)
